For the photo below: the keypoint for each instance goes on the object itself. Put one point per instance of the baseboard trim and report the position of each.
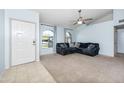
(54, 52)
(106, 55)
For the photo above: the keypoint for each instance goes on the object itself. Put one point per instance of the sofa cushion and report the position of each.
(77, 44)
(83, 45)
(70, 49)
(66, 46)
(72, 44)
(62, 45)
(91, 46)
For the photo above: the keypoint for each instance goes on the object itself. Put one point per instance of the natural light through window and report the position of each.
(68, 37)
(47, 39)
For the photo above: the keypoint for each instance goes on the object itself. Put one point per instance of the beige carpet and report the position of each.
(78, 68)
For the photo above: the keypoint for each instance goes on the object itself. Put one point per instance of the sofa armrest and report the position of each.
(94, 51)
(59, 48)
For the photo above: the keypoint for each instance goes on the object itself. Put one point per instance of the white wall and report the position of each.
(120, 41)
(60, 34)
(101, 33)
(1, 40)
(20, 14)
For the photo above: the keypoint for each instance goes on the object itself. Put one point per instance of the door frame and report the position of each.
(51, 52)
(54, 41)
(116, 38)
(115, 41)
(10, 21)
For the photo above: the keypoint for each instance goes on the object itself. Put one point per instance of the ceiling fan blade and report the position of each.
(88, 19)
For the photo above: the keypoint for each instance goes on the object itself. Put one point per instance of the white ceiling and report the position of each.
(66, 17)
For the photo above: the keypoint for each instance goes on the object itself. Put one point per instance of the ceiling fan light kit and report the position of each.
(80, 20)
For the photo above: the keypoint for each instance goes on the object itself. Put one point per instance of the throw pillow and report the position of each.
(62, 45)
(72, 44)
(91, 46)
(77, 44)
(65, 45)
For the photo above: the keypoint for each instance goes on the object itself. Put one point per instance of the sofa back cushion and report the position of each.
(66, 44)
(77, 44)
(91, 46)
(63, 45)
(72, 44)
(83, 45)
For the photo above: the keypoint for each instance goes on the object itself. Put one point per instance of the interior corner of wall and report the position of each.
(6, 66)
(37, 60)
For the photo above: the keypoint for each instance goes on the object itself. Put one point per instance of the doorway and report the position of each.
(23, 42)
(119, 40)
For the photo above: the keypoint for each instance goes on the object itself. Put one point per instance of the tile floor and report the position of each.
(33, 72)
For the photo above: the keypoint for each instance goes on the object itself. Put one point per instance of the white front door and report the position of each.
(22, 42)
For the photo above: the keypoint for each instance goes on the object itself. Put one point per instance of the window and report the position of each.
(68, 37)
(47, 39)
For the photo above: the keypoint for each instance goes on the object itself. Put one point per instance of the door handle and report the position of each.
(34, 43)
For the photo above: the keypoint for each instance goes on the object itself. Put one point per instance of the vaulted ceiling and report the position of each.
(66, 17)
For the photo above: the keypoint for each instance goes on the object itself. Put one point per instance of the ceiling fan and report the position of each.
(81, 20)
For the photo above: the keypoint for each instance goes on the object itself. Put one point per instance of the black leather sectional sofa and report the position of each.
(91, 49)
